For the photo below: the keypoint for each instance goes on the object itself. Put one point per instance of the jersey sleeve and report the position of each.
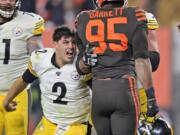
(140, 42)
(32, 63)
(35, 24)
(38, 25)
(30, 74)
(140, 15)
(151, 21)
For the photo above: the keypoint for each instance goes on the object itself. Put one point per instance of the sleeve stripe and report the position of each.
(142, 19)
(150, 24)
(152, 21)
(153, 27)
(39, 25)
(31, 70)
(140, 14)
(39, 31)
(88, 77)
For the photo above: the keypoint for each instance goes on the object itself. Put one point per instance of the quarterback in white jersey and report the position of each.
(65, 95)
(19, 35)
(63, 91)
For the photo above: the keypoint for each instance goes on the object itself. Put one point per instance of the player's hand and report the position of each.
(152, 107)
(9, 107)
(89, 58)
(144, 117)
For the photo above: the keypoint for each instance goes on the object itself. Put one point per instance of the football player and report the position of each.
(65, 95)
(19, 35)
(154, 56)
(118, 35)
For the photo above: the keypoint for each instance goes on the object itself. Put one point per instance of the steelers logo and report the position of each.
(75, 75)
(17, 31)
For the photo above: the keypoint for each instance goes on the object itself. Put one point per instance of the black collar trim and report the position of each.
(53, 61)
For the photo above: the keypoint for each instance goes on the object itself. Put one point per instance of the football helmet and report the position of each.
(99, 3)
(7, 11)
(159, 127)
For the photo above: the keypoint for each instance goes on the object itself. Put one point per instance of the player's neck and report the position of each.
(59, 61)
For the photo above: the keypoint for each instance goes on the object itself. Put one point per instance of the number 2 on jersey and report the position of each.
(63, 92)
(110, 33)
(7, 50)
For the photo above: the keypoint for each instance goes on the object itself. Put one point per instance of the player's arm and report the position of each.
(152, 40)
(143, 71)
(154, 54)
(33, 43)
(141, 55)
(80, 65)
(35, 34)
(85, 58)
(18, 86)
(142, 64)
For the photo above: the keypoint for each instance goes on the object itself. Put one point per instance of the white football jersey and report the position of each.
(151, 21)
(65, 97)
(14, 55)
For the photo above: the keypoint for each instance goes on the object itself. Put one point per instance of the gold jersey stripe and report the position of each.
(88, 77)
(39, 30)
(153, 26)
(31, 70)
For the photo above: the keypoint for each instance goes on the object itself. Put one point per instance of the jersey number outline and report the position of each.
(7, 50)
(62, 94)
(111, 34)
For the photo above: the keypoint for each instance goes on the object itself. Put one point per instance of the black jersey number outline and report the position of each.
(62, 94)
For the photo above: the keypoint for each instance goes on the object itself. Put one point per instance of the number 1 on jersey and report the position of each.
(7, 50)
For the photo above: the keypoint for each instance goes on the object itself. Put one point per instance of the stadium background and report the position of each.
(166, 79)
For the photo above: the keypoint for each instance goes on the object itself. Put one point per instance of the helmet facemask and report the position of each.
(9, 11)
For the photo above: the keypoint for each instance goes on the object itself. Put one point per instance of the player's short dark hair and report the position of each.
(62, 31)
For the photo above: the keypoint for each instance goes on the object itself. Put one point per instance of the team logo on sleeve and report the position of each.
(75, 75)
(17, 31)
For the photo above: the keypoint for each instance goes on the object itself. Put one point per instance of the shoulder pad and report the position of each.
(38, 54)
(35, 22)
(151, 21)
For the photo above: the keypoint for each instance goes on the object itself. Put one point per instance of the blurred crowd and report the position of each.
(57, 12)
